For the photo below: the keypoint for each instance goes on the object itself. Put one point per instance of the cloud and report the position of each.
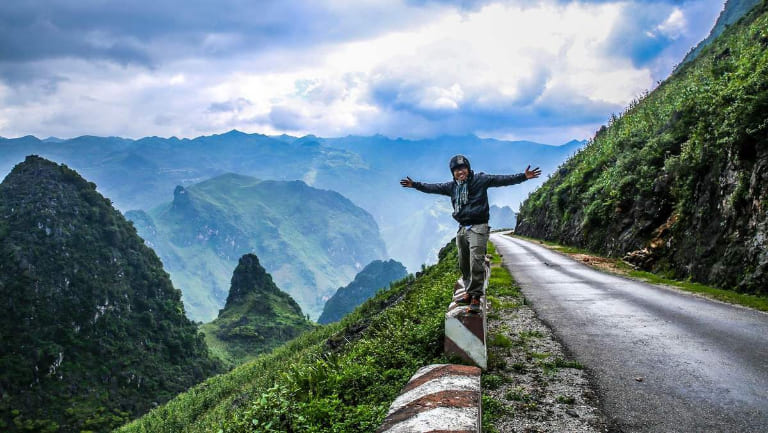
(151, 32)
(231, 106)
(411, 68)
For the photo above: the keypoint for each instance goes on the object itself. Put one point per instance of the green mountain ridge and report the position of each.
(732, 12)
(376, 275)
(311, 241)
(678, 183)
(257, 317)
(93, 333)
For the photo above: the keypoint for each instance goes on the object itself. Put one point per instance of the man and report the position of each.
(469, 195)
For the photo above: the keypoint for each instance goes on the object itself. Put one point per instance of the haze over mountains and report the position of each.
(311, 241)
(142, 174)
(94, 333)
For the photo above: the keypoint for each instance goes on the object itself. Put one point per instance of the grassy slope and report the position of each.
(620, 267)
(660, 173)
(338, 378)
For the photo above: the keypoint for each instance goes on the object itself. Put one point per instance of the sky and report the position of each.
(547, 71)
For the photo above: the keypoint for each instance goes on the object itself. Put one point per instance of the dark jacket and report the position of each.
(476, 211)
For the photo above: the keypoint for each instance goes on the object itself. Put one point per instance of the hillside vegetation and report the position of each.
(680, 180)
(732, 12)
(92, 331)
(311, 241)
(338, 378)
(257, 317)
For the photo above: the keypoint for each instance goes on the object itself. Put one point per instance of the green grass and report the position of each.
(747, 300)
(499, 340)
(340, 377)
(622, 268)
(492, 381)
(493, 409)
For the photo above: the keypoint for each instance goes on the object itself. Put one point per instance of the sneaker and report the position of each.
(474, 306)
(464, 300)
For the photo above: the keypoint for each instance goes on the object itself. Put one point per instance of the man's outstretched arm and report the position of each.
(431, 188)
(511, 179)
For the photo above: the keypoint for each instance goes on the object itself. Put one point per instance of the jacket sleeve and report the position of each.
(505, 179)
(434, 188)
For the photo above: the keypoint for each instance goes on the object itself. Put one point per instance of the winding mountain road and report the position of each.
(662, 360)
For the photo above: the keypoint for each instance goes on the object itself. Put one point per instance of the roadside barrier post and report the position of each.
(465, 333)
(439, 397)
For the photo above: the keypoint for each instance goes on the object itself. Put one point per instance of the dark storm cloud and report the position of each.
(149, 32)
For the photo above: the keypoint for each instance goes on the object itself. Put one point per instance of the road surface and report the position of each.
(662, 360)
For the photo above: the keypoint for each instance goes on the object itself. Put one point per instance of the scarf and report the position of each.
(462, 195)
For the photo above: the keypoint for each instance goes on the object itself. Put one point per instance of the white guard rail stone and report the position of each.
(465, 333)
(438, 398)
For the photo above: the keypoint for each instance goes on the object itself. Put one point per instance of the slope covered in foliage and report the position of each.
(340, 377)
(732, 13)
(257, 317)
(680, 180)
(377, 275)
(93, 333)
(311, 241)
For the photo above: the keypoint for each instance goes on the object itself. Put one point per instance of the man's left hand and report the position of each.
(532, 174)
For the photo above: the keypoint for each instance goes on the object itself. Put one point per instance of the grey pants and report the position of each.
(472, 244)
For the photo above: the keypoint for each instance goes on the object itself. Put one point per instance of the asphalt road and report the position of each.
(662, 360)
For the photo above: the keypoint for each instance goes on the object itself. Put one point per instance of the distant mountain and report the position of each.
(502, 217)
(732, 13)
(414, 224)
(678, 183)
(142, 174)
(310, 240)
(93, 333)
(257, 317)
(377, 275)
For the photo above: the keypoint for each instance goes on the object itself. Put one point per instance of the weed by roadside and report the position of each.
(530, 384)
(622, 268)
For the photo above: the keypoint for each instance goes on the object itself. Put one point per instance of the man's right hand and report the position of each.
(407, 182)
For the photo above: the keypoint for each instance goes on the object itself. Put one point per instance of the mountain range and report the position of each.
(377, 275)
(143, 174)
(311, 241)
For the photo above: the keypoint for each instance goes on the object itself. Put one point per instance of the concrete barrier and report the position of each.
(465, 333)
(438, 398)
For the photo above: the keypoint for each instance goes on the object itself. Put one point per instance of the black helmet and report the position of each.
(459, 160)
